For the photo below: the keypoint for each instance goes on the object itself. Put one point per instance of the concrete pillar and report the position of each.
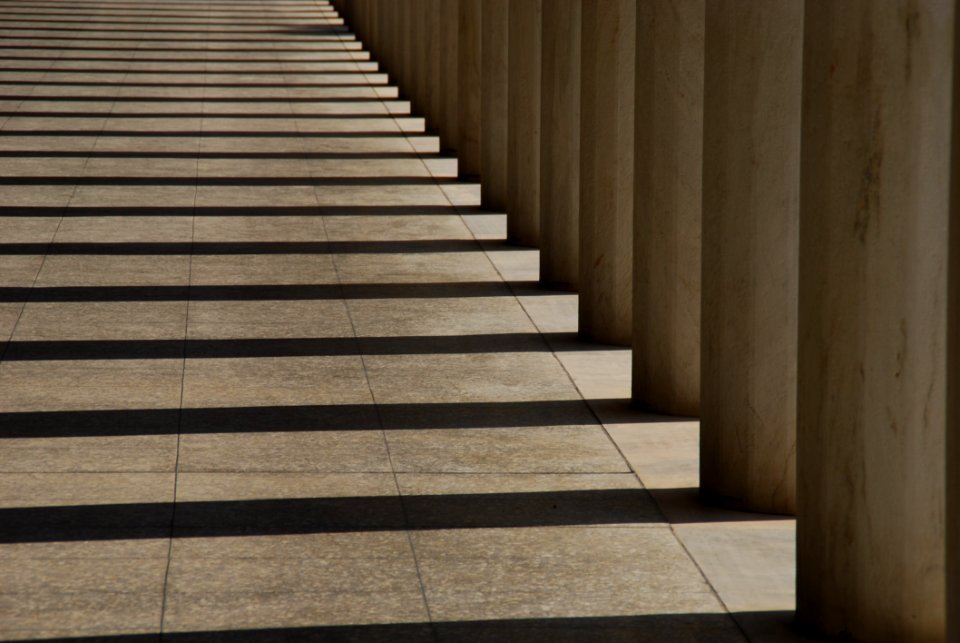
(448, 91)
(523, 115)
(560, 145)
(419, 73)
(432, 56)
(405, 57)
(395, 40)
(874, 197)
(469, 82)
(608, 57)
(666, 251)
(494, 90)
(751, 182)
(953, 371)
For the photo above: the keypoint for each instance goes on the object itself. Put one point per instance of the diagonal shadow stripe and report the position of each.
(148, 134)
(217, 156)
(373, 102)
(258, 419)
(647, 628)
(245, 248)
(189, 61)
(212, 519)
(233, 115)
(47, 350)
(237, 211)
(218, 181)
(179, 71)
(64, 47)
(266, 292)
(176, 41)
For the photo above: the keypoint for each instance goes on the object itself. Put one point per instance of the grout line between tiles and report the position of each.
(386, 444)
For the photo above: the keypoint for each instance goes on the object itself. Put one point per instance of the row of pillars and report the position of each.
(755, 195)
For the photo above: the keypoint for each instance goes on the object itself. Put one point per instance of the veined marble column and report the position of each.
(560, 145)
(667, 206)
(523, 115)
(448, 89)
(494, 90)
(608, 56)
(751, 182)
(469, 87)
(874, 197)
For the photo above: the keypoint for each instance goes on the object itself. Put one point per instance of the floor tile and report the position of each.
(126, 229)
(269, 319)
(262, 269)
(556, 572)
(274, 381)
(385, 227)
(81, 596)
(483, 377)
(91, 452)
(306, 581)
(77, 321)
(253, 228)
(103, 270)
(414, 268)
(28, 229)
(505, 450)
(20, 271)
(65, 489)
(438, 317)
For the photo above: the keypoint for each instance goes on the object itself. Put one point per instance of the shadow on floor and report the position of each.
(210, 519)
(332, 417)
(278, 292)
(652, 628)
(61, 350)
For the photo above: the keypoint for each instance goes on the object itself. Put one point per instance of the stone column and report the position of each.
(751, 182)
(953, 371)
(608, 55)
(419, 74)
(494, 122)
(874, 197)
(666, 251)
(523, 115)
(469, 87)
(560, 145)
(432, 55)
(405, 56)
(395, 37)
(448, 90)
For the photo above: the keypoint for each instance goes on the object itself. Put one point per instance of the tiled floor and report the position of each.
(260, 380)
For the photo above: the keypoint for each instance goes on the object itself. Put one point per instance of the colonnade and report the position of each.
(756, 196)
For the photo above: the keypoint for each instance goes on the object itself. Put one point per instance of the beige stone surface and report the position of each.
(667, 205)
(750, 242)
(875, 178)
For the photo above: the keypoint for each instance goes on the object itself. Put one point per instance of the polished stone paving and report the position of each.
(268, 373)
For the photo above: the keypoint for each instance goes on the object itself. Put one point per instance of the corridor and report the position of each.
(270, 374)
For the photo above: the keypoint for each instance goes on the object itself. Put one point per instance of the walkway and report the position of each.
(270, 375)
